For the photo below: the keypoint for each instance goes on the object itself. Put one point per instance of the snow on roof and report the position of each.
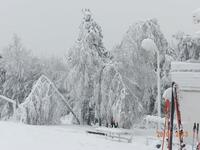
(185, 67)
(186, 75)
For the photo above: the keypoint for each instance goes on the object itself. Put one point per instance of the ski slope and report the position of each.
(16, 136)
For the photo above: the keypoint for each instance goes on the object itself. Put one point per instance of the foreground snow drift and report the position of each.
(22, 137)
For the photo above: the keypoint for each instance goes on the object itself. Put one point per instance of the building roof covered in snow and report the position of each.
(186, 75)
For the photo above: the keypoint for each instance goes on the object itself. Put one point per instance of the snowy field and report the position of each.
(15, 136)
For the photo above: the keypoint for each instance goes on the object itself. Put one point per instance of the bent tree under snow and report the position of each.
(44, 105)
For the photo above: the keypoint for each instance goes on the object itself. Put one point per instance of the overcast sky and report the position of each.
(50, 27)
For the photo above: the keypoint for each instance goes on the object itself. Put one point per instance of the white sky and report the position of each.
(50, 27)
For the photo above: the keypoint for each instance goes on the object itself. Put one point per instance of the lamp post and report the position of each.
(149, 45)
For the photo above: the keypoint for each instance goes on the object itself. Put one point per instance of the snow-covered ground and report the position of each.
(15, 136)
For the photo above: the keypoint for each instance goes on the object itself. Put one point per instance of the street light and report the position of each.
(149, 45)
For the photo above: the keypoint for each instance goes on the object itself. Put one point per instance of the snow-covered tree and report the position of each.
(137, 65)
(85, 59)
(95, 84)
(187, 47)
(20, 71)
(44, 105)
(2, 74)
(196, 16)
(118, 101)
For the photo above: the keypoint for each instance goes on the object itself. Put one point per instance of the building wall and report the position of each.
(187, 77)
(190, 111)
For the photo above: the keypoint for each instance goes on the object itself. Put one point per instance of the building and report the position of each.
(187, 76)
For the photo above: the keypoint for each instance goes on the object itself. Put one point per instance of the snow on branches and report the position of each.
(95, 84)
(44, 105)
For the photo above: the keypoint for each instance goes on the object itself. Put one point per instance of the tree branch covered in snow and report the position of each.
(44, 105)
